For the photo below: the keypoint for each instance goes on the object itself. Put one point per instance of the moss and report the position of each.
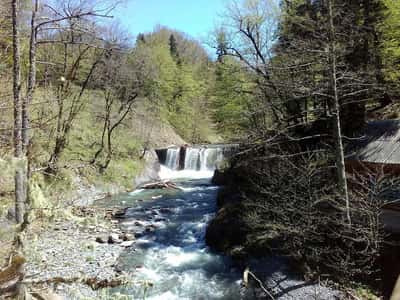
(366, 294)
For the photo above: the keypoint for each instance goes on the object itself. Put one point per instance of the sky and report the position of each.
(194, 17)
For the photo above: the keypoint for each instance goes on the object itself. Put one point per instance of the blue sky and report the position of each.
(195, 17)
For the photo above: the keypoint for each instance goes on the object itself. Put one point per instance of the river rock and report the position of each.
(127, 237)
(121, 214)
(127, 244)
(101, 239)
(150, 229)
(114, 239)
(137, 223)
(11, 214)
(139, 234)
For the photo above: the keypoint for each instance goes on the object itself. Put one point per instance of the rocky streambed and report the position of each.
(78, 256)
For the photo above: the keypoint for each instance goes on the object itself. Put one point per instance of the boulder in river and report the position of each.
(127, 237)
(127, 244)
(114, 239)
(101, 239)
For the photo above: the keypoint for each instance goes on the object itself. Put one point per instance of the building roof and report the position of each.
(379, 142)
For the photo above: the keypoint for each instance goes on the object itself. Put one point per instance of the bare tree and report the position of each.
(69, 24)
(339, 150)
(121, 81)
(67, 111)
(20, 196)
(31, 77)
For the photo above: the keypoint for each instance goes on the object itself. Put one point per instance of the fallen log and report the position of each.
(160, 185)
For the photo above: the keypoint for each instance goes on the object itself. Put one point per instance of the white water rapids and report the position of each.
(170, 260)
(170, 250)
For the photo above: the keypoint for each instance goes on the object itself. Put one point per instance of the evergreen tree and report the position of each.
(221, 46)
(173, 47)
(140, 38)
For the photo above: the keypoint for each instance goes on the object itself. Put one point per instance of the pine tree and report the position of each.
(173, 48)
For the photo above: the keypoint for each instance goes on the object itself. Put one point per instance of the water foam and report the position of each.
(166, 173)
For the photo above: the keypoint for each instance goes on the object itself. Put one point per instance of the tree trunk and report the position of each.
(18, 148)
(31, 79)
(337, 134)
(26, 101)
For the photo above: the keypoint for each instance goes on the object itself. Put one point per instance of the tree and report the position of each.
(339, 150)
(121, 84)
(173, 47)
(175, 79)
(78, 41)
(70, 102)
(20, 196)
(221, 45)
(389, 28)
(232, 101)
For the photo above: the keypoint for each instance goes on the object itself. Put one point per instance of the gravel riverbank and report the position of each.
(64, 256)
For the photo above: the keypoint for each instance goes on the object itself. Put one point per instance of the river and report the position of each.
(170, 253)
(170, 259)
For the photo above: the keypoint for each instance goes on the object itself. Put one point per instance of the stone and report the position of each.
(127, 244)
(120, 214)
(150, 229)
(101, 239)
(127, 237)
(11, 214)
(139, 234)
(114, 239)
(159, 219)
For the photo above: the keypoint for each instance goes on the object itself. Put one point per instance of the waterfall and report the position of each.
(203, 159)
(197, 160)
(192, 159)
(172, 159)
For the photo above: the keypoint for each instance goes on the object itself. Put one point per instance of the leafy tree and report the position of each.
(390, 28)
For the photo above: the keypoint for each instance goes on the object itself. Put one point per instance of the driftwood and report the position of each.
(161, 185)
(11, 276)
(246, 274)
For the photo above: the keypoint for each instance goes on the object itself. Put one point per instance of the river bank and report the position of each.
(65, 257)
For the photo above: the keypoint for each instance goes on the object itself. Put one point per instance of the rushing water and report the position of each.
(196, 158)
(170, 250)
(170, 256)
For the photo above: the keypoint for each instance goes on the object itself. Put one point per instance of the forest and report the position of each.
(293, 83)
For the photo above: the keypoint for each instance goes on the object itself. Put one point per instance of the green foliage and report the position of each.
(390, 29)
(177, 84)
(232, 98)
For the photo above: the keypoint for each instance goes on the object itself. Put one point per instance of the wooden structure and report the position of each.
(377, 152)
(377, 149)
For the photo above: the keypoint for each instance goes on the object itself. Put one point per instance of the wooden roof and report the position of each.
(379, 142)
